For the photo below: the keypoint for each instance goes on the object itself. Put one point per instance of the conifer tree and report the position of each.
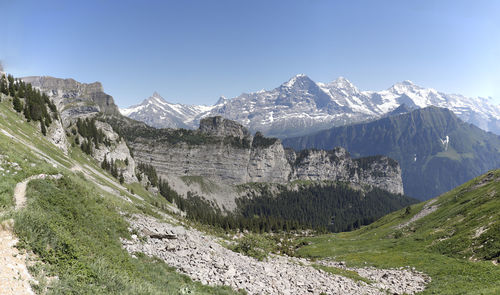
(21, 89)
(3, 85)
(42, 127)
(17, 104)
(26, 113)
(12, 91)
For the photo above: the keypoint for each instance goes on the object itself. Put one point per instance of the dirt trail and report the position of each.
(20, 190)
(14, 275)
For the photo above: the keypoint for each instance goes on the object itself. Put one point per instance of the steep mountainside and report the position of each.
(436, 150)
(225, 152)
(66, 215)
(74, 101)
(300, 106)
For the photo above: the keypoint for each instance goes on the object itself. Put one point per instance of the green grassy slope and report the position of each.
(455, 245)
(74, 224)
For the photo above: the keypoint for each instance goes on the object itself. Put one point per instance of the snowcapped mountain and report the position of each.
(296, 107)
(157, 112)
(300, 106)
(476, 110)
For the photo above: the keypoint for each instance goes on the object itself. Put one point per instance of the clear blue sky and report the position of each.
(195, 51)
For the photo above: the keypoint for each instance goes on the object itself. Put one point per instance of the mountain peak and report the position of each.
(404, 86)
(156, 98)
(297, 80)
(401, 109)
(343, 83)
(221, 100)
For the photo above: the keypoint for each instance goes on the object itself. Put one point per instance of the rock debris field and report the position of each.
(203, 259)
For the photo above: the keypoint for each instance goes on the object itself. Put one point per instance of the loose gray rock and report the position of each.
(203, 259)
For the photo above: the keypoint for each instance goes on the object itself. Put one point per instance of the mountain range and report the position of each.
(301, 106)
(437, 151)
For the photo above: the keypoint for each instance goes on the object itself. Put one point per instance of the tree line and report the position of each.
(92, 136)
(34, 105)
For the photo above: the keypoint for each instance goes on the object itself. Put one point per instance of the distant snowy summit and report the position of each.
(301, 106)
(157, 112)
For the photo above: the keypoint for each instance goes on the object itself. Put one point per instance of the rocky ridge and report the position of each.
(230, 155)
(202, 258)
(74, 99)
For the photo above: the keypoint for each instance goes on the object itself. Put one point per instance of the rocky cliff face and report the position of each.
(224, 151)
(118, 151)
(221, 161)
(379, 171)
(218, 126)
(73, 98)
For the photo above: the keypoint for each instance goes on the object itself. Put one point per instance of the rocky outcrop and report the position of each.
(379, 171)
(218, 126)
(73, 98)
(224, 151)
(223, 163)
(118, 150)
(57, 136)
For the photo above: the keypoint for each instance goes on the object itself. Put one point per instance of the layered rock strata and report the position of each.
(224, 151)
